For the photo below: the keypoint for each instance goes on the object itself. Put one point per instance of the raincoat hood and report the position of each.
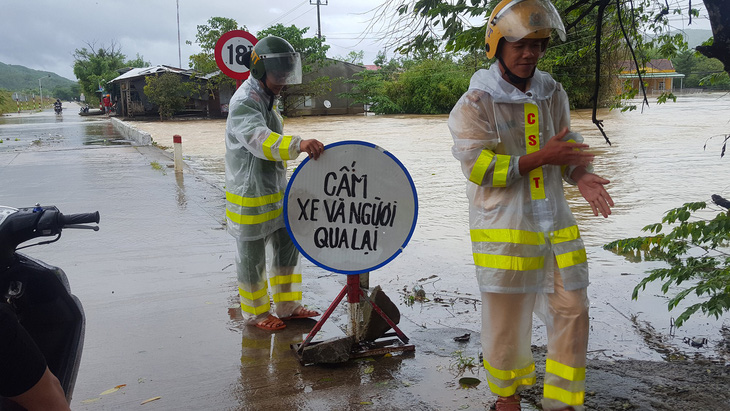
(541, 86)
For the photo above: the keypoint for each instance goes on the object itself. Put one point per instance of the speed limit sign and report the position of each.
(229, 52)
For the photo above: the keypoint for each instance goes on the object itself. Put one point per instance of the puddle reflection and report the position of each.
(182, 201)
(270, 369)
(46, 129)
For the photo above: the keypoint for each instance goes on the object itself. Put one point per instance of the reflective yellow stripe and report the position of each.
(572, 258)
(566, 397)
(273, 138)
(254, 344)
(252, 295)
(532, 129)
(284, 147)
(565, 234)
(565, 371)
(506, 375)
(283, 346)
(256, 310)
(537, 184)
(508, 391)
(532, 144)
(480, 167)
(252, 219)
(254, 201)
(506, 235)
(285, 279)
(501, 166)
(292, 296)
(508, 262)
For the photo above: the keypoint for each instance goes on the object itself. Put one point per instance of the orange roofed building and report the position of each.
(658, 75)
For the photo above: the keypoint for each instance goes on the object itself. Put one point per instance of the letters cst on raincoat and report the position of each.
(520, 225)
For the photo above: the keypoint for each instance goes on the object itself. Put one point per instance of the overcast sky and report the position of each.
(43, 34)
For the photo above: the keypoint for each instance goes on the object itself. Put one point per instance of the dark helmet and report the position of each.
(275, 58)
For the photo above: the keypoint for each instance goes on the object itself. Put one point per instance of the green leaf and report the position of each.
(469, 382)
(707, 275)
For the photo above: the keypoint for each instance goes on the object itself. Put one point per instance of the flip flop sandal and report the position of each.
(301, 316)
(512, 404)
(270, 325)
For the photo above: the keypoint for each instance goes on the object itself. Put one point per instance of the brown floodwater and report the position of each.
(661, 157)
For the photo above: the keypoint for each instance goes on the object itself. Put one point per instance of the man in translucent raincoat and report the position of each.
(256, 152)
(510, 132)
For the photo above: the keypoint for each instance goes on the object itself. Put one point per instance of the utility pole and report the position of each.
(40, 86)
(179, 52)
(319, 25)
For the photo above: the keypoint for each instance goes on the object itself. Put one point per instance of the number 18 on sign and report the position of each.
(353, 210)
(229, 51)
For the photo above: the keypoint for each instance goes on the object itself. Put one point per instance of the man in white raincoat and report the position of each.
(511, 135)
(256, 151)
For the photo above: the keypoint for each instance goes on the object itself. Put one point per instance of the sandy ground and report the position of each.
(681, 382)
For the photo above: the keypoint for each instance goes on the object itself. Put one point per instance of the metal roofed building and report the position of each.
(128, 91)
(658, 75)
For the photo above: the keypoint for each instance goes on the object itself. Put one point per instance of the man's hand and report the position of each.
(592, 189)
(556, 152)
(563, 153)
(312, 147)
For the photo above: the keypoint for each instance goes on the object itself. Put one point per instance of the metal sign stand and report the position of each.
(371, 183)
(354, 293)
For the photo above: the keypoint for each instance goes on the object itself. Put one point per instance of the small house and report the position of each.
(330, 103)
(128, 91)
(305, 100)
(659, 75)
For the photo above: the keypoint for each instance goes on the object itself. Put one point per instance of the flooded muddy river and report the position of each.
(657, 161)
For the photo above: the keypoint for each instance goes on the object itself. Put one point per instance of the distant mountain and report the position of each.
(19, 78)
(695, 37)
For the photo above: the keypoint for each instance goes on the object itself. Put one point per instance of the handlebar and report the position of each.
(83, 218)
(23, 224)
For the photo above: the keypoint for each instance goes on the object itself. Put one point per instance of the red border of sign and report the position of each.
(219, 48)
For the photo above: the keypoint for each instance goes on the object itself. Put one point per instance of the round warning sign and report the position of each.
(229, 53)
(353, 210)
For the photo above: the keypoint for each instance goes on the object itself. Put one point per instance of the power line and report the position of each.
(297, 17)
(284, 15)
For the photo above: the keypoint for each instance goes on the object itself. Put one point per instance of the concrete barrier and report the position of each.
(130, 132)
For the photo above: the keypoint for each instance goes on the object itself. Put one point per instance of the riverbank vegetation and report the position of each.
(95, 65)
(7, 104)
(701, 71)
(696, 252)
(168, 92)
